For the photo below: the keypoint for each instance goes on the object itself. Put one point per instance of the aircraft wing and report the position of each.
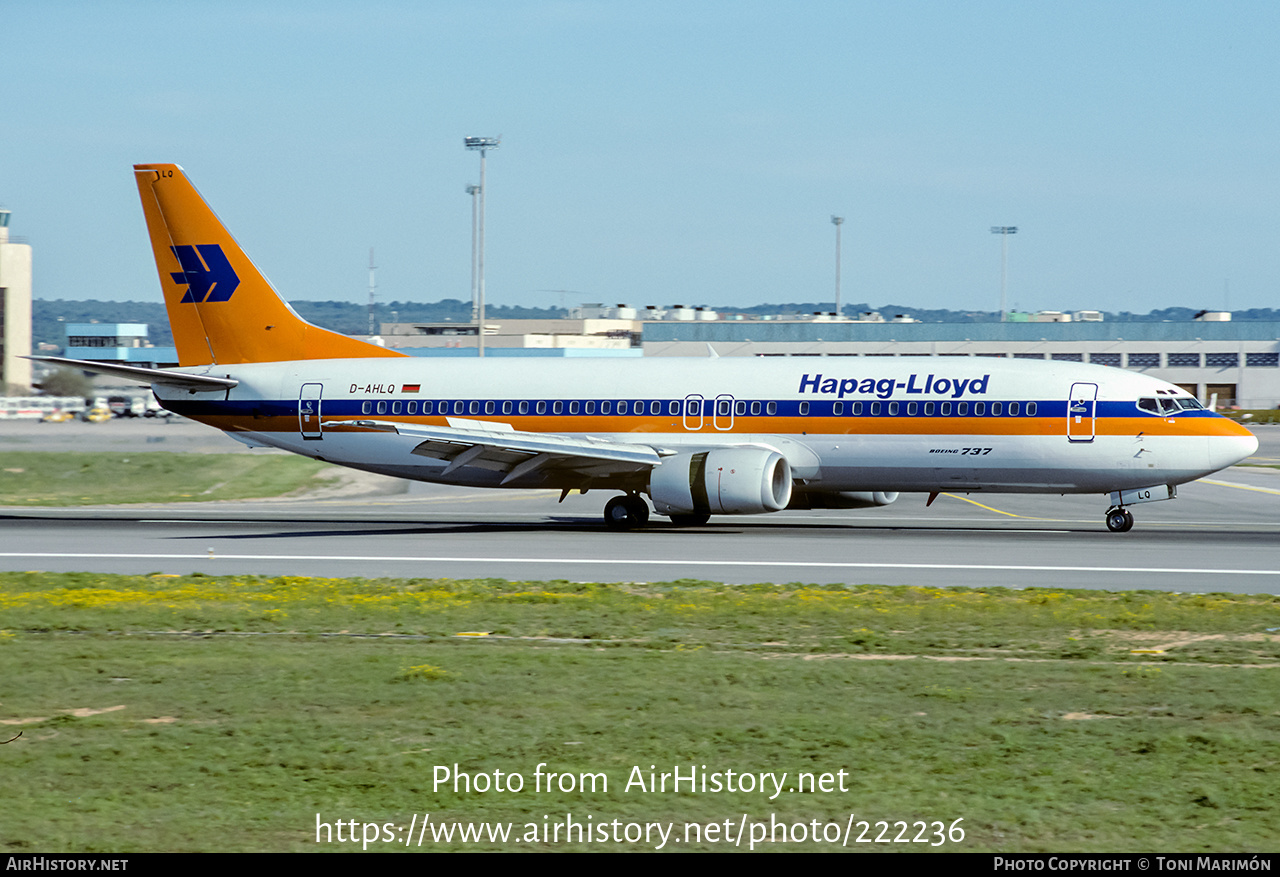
(501, 448)
(182, 380)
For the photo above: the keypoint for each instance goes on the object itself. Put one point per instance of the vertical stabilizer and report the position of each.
(221, 309)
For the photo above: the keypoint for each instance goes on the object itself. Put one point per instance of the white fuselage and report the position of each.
(843, 423)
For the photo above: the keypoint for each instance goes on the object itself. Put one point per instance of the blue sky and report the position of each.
(661, 153)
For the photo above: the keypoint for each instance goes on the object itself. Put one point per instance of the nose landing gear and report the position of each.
(1119, 520)
(626, 512)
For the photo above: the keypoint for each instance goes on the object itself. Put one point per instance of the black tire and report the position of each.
(690, 520)
(638, 509)
(1119, 521)
(616, 514)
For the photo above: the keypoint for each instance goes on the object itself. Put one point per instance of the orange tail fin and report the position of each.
(222, 310)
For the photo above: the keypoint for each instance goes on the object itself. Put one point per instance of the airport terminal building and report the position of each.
(1239, 362)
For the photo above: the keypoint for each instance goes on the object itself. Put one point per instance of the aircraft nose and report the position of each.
(1227, 450)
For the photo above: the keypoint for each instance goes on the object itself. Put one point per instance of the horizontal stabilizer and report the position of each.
(182, 380)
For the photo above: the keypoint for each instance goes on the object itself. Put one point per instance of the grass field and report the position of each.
(201, 713)
(34, 478)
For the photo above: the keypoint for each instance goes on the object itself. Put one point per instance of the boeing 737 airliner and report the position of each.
(698, 437)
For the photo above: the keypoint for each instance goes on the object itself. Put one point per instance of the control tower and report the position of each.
(15, 313)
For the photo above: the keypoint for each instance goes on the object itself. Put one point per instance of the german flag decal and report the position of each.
(412, 388)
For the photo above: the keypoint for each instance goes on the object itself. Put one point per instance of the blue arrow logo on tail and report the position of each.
(207, 273)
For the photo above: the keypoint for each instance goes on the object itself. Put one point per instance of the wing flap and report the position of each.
(517, 453)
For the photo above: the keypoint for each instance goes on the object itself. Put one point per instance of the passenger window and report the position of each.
(506, 407)
(458, 407)
(542, 407)
(739, 408)
(366, 407)
(604, 407)
(945, 409)
(488, 407)
(804, 409)
(573, 407)
(912, 408)
(382, 406)
(395, 407)
(875, 409)
(1031, 409)
(426, 407)
(557, 407)
(523, 407)
(771, 408)
(1013, 409)
(928, 409)
(723, 407)
(962, 409)
(997, 408)
(1149, 405)
(857, 408)
(413, 407)
(475, 406)
(655, 407)
(979, 408)
(837, 408)
(893, 409)
(755, 408)
(673, 407)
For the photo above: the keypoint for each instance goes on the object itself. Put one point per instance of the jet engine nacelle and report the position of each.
(848, 499)
(725, 481)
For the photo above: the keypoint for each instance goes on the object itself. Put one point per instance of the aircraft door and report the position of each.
(693, 412)
(309, 411)
(1081, 412)
(722, 414)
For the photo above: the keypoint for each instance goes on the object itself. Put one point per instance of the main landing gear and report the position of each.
(626, 512)
(1119, 519)
(631, 512)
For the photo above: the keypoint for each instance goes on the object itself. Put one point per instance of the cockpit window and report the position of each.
(1189, 404)
(1149, 405)
(1168, 406)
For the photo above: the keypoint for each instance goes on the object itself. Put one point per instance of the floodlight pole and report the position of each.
(483, 144)
(473, 191)
(837, 221)
(373, 286)
(1004, 231)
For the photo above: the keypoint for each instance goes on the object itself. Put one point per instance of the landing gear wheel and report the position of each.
(638, 508)
(1119, 520)
(690, 520)
(626, 513)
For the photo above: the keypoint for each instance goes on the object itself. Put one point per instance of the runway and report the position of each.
(1221, 534)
